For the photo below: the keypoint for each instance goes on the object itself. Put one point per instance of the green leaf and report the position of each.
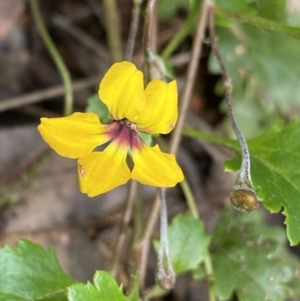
(95, 105)
(263, 76)
(30, 273)
(187, 243)
(250, 259)
(275, 172)
(105, 288)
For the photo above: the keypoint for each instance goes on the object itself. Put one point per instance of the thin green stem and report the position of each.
(113, 29)
(222, 141)
(209, 273)
(59, 63)
(183, 32)
(190, 199)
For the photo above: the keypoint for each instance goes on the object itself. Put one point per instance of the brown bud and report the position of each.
(166, 281)
(244, 200)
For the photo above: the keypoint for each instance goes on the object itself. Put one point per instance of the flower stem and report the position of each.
(59, 63)
(180, 35)
(134, 25)
(165, 275)
(190, 199)
(243, 196)
(209, 273)
(113, 29)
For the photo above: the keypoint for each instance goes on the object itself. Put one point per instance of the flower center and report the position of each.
(129, 124)
(125, 133)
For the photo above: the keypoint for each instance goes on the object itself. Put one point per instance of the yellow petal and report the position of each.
(100, 172)
(122, 90)
(155, 168)
(74, 136)
(160, 113)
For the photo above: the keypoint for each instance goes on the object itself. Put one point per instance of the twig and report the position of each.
(176, 137)
(143, 245)
(45, 94)
(96, 10)
(134, 25)
(190, 78)
(243, 196)
(113, 29)
(147, 34)
(126, 219)
(80, 35)
(60, 65)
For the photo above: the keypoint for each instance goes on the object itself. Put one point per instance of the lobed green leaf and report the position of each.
(250, 260)
(30, 273)
(105, 288)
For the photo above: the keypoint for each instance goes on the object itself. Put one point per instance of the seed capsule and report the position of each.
(166, 281)
(244, 200)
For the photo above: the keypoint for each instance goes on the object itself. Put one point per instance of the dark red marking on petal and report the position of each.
(124, 133)
(136, 142)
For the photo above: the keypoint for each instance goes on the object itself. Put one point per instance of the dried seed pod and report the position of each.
(166, 281)
(244, 199)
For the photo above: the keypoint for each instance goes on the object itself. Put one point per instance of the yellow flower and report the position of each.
(152, 111)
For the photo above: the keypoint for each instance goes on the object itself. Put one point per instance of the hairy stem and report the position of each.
(165, 275)
(243, 196)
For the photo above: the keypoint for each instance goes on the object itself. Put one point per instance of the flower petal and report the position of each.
(122, 90)
(100, 172)
(155, 168)
(74, 136)
(160, 113)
